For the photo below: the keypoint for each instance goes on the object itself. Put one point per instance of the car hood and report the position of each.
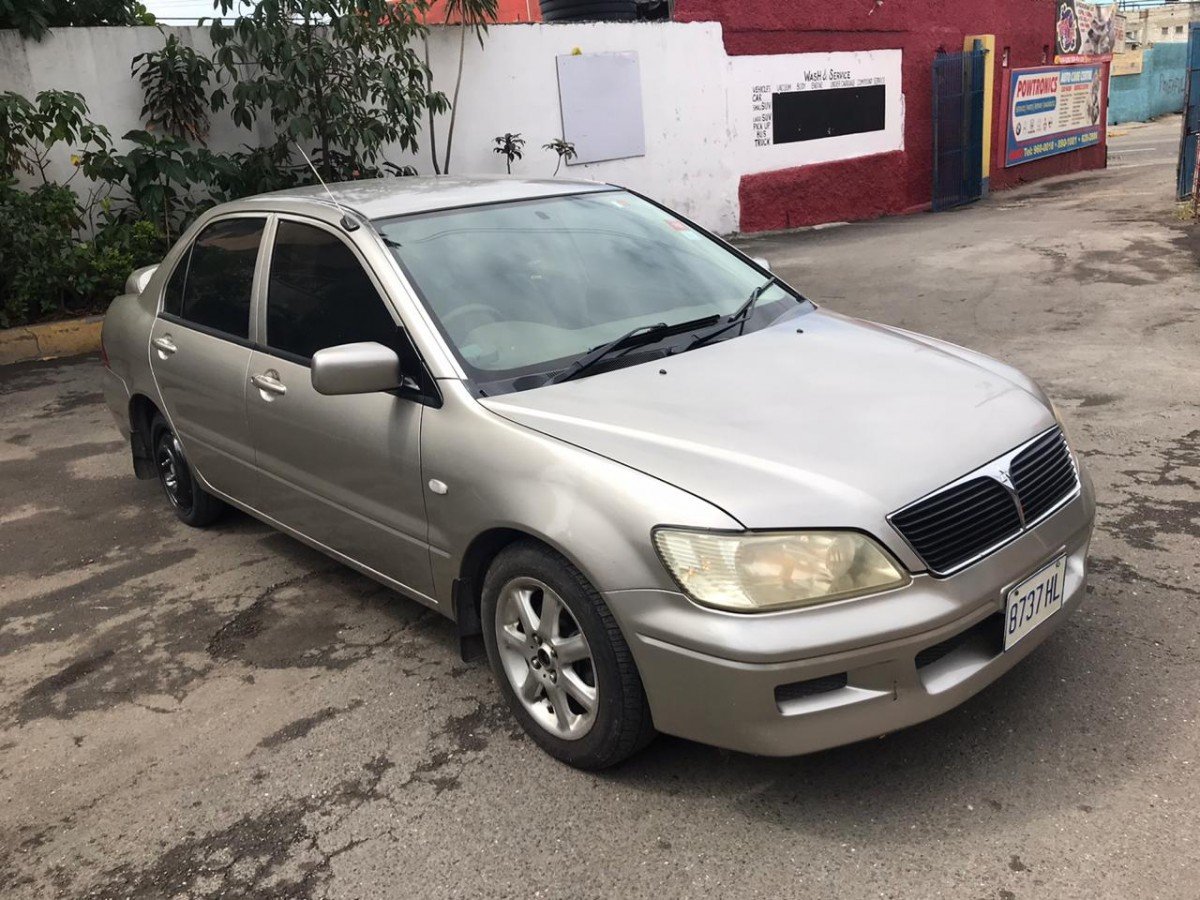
(819, 421)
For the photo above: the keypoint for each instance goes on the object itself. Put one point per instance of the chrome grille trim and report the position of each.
(1045, 456)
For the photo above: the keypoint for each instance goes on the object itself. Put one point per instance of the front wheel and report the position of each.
(561, 661)
(192, 504)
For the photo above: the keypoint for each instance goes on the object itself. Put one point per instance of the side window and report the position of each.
(173, 298)
(213, 286)
(319, 295)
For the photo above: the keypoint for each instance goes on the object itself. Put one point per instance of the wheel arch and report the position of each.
(467, 590)
(142, 411)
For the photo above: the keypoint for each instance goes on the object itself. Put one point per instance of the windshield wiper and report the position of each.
(631, 340)
(740, 316)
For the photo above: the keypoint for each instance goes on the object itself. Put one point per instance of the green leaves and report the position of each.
(29, 130)
(175, 81)
(35, 18)
(339, 73)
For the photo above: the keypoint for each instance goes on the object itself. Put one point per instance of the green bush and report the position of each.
(37, 251)
(47, 271)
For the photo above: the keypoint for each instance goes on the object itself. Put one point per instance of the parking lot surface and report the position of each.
(228, 713)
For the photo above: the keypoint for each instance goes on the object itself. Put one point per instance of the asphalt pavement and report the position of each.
(228, 713)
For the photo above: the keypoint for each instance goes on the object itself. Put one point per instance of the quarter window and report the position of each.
(320, 296)
(212, 284)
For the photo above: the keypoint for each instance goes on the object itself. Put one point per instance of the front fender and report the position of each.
(596, 512)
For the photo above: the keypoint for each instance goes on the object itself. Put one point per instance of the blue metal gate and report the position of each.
(1191, 116)
(958, 86)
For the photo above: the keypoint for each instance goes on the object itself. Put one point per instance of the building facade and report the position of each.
(865, 181)
(1166, 24)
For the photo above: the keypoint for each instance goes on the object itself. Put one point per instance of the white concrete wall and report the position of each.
(95, 62)
(699, 105)
(512, 85)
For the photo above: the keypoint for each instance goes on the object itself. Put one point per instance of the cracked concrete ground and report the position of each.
(227, 713)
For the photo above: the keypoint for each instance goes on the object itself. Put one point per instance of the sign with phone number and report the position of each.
(1054, 110)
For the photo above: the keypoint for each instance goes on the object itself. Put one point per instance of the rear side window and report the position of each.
(320, 296)
(212, 284)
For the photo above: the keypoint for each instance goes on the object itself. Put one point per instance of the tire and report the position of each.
(192, 504)
(618, 724)
(589, 10)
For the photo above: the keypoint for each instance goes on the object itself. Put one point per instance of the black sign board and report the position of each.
(812, 115)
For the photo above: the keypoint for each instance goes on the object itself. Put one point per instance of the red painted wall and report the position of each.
(507, 11)
(896, 182)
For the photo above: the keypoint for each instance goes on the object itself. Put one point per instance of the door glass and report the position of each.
(214, 289)
(319, 295)
(173, 299)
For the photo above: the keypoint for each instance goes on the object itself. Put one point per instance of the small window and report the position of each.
(319, 295)
(1166, 31)
(1179, 29)
(211, 287)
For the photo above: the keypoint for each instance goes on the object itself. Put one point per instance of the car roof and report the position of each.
(380, 198)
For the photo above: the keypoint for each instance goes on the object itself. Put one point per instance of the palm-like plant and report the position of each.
(509, 146)
(565, 150)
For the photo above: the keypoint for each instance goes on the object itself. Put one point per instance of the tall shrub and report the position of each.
(338, 75)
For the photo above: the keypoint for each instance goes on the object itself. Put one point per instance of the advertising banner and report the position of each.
(1086, 32)
(1052, 110)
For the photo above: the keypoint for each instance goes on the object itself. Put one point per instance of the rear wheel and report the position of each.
(561, 661)
(192, 504)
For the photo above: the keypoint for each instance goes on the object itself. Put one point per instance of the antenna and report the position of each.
(348, 223)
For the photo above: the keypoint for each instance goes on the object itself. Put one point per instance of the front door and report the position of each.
(343, 471)
(200, 353)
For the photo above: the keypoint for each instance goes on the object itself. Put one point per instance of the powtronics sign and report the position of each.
(1054, 110)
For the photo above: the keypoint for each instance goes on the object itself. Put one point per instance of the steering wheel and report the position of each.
(493, 314)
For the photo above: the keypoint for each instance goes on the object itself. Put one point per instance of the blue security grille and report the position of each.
(1191, 116)
(958, 84)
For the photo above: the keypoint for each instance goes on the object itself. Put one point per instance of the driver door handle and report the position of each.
(269, 384)
(164, 345)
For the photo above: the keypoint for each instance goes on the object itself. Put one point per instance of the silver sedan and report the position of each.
(659, 488)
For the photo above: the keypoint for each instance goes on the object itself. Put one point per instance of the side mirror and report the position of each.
(137, 281)
(355, 369)
(762, 263)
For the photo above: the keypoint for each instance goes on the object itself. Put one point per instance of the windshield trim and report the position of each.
(482, 387)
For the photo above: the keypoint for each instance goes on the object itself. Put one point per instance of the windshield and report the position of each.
(526, 288)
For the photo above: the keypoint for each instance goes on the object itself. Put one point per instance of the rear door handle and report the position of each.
(269, 383)
(164, 345)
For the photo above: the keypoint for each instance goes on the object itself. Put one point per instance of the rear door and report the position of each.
(344, 471)
(200, 352)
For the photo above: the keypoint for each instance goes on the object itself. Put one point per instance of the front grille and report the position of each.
(1043, 475)
(959, 523)
(977, 514)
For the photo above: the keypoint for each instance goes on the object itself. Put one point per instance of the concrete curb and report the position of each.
(74, 337)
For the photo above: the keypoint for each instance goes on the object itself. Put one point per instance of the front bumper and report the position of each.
(796, 682)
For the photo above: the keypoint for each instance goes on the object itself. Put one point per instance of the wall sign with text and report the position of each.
(1052, 110)
(801, 108)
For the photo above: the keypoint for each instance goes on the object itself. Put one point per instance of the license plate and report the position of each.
(1033, 601)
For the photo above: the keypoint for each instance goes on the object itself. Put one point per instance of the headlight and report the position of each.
(766, 572)
(1061, 424)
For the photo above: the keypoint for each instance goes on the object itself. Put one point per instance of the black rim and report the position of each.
(173, 473)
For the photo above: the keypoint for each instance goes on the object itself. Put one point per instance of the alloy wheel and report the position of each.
(173, 473)
(547, 658)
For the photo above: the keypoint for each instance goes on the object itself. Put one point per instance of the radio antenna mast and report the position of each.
(348, 223)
